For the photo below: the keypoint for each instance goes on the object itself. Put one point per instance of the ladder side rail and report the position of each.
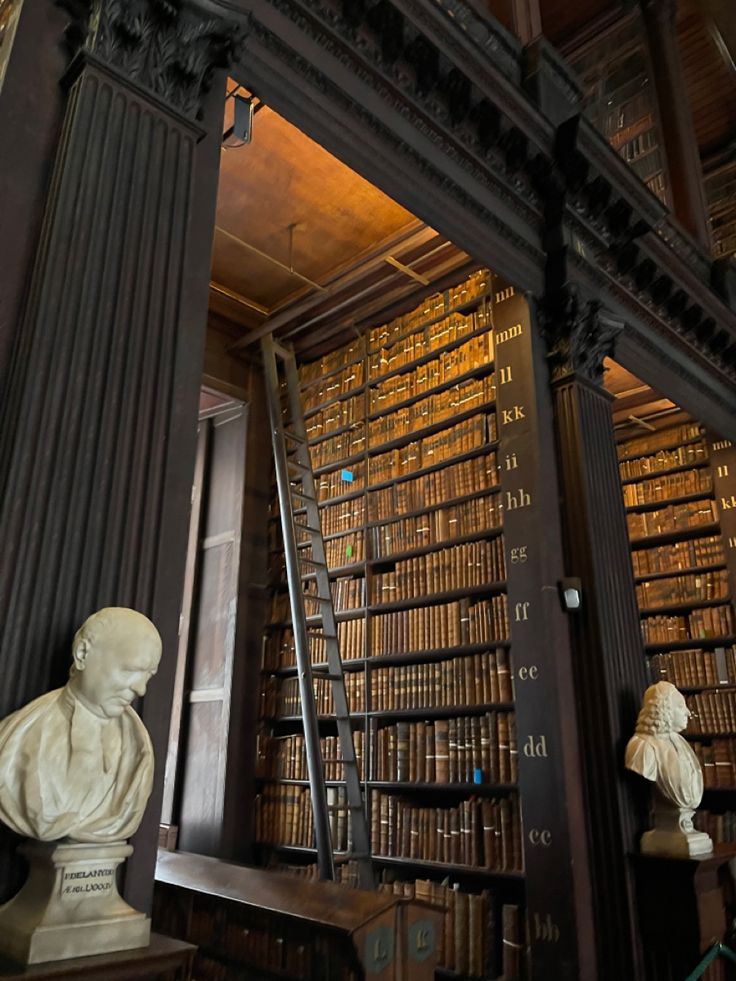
(325, 859)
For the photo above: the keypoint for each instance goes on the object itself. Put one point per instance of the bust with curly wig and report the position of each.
(659, 753)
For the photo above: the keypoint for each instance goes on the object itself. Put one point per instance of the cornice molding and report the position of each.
(169, 47)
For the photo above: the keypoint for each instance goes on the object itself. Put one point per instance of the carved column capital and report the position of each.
(170, 47)
(579, 336)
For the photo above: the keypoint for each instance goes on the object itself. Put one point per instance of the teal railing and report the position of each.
(717, 950)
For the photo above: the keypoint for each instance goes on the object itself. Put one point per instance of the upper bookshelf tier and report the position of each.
(621, 101)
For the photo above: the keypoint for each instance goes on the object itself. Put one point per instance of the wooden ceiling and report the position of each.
(637, 408)
(306, 246)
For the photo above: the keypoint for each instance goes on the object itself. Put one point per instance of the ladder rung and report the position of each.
(294, 437)
(313, 562)
(321, 636)
(295, 465)
(308, 528)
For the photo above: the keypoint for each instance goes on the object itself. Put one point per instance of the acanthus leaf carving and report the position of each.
(579, 337)
(169, 47)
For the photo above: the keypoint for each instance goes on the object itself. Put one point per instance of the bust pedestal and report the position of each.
(673, 834)
(70, 905)
(683, 909)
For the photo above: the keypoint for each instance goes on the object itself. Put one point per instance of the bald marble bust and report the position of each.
(77, 763)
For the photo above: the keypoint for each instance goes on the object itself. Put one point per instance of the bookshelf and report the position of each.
(404, 441)
(621, 101)
(677, 486)
(720, 191)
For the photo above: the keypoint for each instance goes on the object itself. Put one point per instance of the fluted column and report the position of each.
(607, 649)
(98, 418)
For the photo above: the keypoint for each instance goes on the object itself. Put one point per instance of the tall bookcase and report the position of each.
(621, 101)
(678, 485)
(720, 190)
(404, 443)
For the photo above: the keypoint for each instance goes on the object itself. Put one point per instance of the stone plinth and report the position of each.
(70, 905)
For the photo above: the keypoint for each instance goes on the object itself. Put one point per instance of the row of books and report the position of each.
(285, 757)
(693, 587)
(337, 415)
(230, 949)
(461, 438)
(720, 826)
(345, 480)
(440, 525)
(474, 394)
(339, 383)
(481, 833)
(345, 550)
(446, 367)
(470, 680)
(457, 567)
(279, 650)
(469, 941)
(681, 484)
(679, 555)
(444, 625)
(348, 593)
(280, 696)
(476, 679)
(329, 363)
(283, 816)
(349, 443)
(695, 668)
(437, 408)
(674, 517)
(712, 711)
(668, 459)
(476, 285)
(468, 749)
(714, 621)
(718, 760)
(661, 439)
(457, 480)
(345, 516)
(410, 347)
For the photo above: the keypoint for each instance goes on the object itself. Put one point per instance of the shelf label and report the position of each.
(535, 748)
(528, 673)
(422, 940)
(514, 414)
(540, 836)
(518, 499)
(521, 611)
(545, 928)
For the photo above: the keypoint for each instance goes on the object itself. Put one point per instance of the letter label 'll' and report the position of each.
(723, 470)
(504, 375)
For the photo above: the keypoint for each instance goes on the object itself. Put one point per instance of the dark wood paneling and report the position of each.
(609, 659)
(31, 113)
(99, 410)
(556, 863)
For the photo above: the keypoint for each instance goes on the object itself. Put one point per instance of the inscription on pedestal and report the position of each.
(79, 883)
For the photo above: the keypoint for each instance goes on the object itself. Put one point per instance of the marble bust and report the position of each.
(77, 763)
(659, 753)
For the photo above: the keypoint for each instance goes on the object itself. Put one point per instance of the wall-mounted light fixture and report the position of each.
(571, 594)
